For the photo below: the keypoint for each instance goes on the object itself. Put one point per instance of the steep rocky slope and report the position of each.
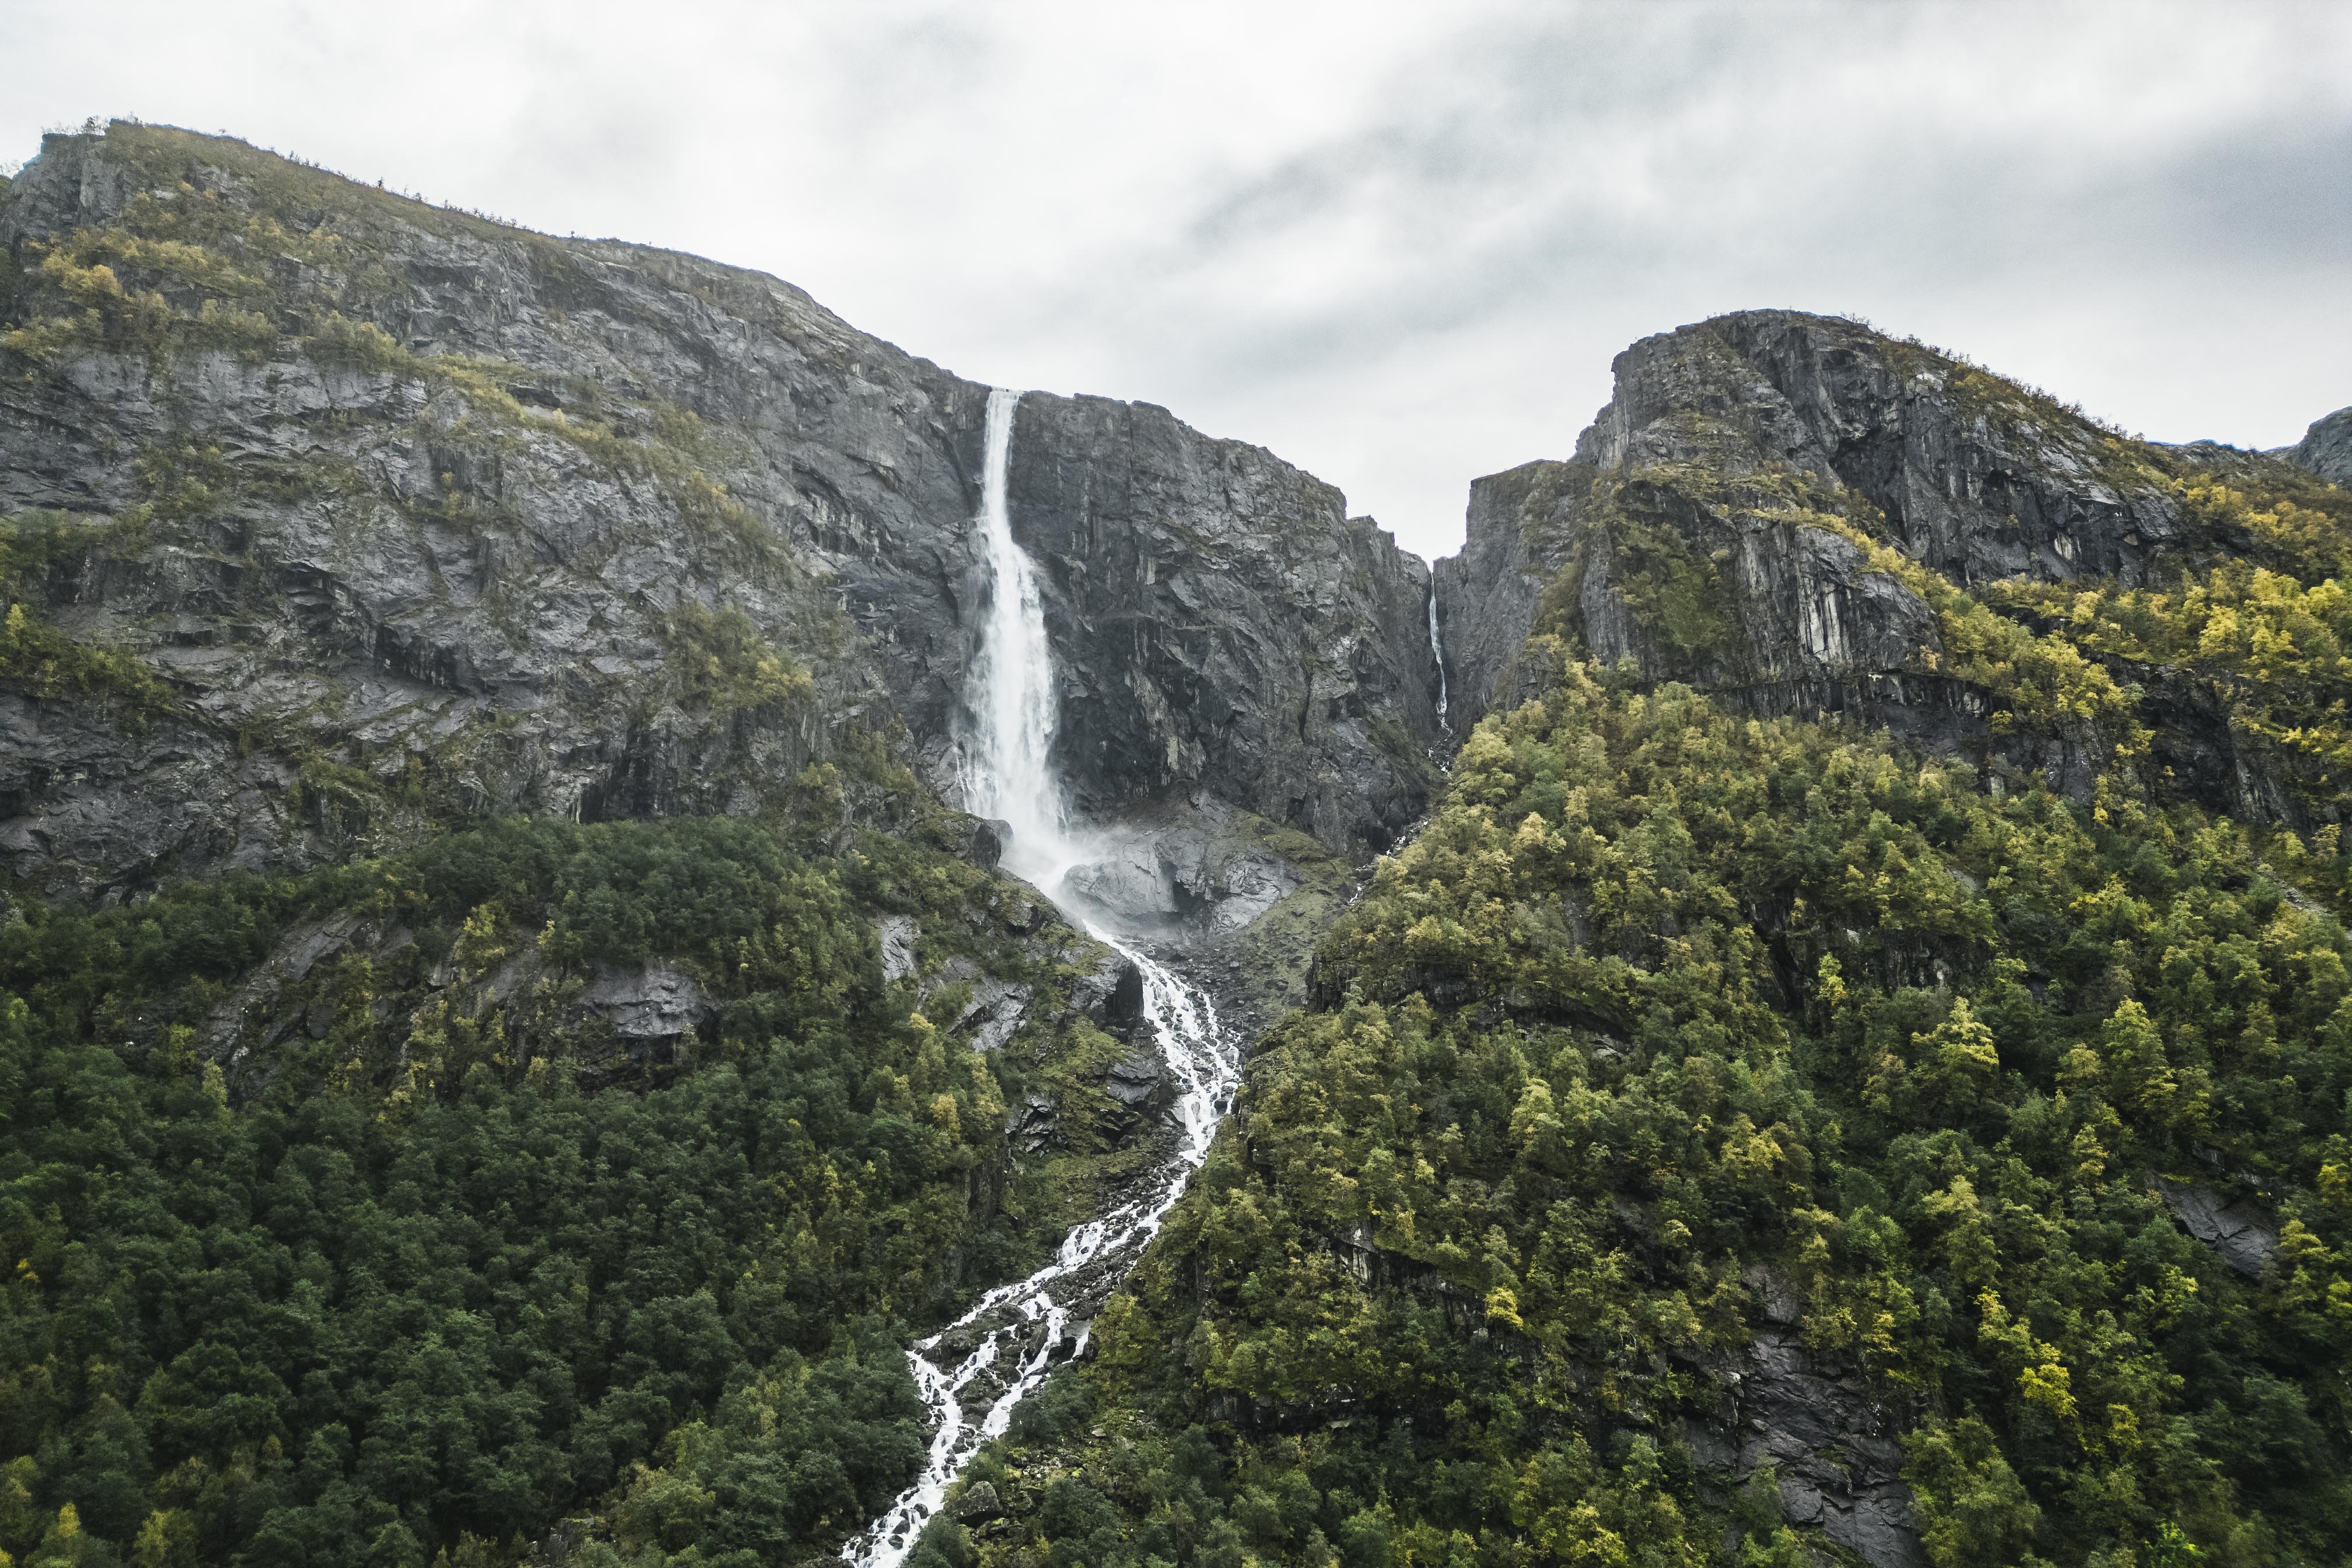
(2325, 448)
(334, 515)
(1185, 573)
(1800, 515)
(478, 771)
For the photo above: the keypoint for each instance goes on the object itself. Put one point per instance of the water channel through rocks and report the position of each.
(972, 1373)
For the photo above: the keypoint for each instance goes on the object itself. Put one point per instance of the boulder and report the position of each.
(2235, 1227)
(652, 1004)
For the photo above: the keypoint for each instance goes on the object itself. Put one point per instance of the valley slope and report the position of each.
(507, 1027)
(1855, 1068)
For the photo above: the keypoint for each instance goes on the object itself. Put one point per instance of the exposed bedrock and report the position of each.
(1223, 625)
(463, 524)
(1705, 529)
(2325, 448)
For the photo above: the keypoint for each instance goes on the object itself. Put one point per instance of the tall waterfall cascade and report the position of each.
(1000, 1351)
(1437, 652)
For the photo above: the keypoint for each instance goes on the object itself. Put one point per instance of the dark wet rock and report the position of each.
(1139, 1080)
(2237, 1228)
(1032, 1125)
(1228, 626)
(977, 1504)
(2325, 448)
(989, 836)
(1833, 1449)
(1111, 994)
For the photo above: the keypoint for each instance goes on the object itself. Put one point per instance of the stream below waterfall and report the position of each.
(972, 1373)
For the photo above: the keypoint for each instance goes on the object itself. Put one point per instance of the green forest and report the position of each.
(1675, 1024)
(421, 1295)
(1571, 1186)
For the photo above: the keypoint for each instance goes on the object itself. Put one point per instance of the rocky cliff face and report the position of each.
(335, 515)
(1230, 627)
(1791, 511)
(2325, 448)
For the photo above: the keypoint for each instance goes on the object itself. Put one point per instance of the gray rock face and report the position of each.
(1139, 1080)
(1182, 875)
(1515, 542)
(520, 541)
(1975, 482)
(656, 1005)
(2325, 448)
(1839, 1465)
(2236, 1228)
(1702, 532)
(994, 1012)
(1724, 435)
(1111, 994)
(1828, 1444)
(898, 933)
(1228, 624)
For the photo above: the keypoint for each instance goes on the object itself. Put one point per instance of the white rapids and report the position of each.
(1007, 775)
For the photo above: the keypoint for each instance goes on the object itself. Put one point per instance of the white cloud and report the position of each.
(1396, 243)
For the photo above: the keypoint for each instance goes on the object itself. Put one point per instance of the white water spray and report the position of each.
(1008, 772)
(1014, 1335)
(1437, 652)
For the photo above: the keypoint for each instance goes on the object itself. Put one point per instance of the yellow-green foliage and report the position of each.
(2267, 643)
(1661, 995)
(718, 660)
(38, 658)
(2041, 683)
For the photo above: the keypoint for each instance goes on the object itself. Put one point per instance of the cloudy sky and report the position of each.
(1397, 244)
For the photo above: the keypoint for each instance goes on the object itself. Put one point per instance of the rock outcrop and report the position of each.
(2236, 1228)
(1229, 626)
(411, 517)
(1758, 508)
(2325, 450)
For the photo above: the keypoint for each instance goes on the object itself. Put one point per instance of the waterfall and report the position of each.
(1000, 1351)
(1008, 771)
(1437, 652)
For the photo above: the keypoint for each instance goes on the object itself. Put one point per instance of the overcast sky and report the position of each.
(1397, 244)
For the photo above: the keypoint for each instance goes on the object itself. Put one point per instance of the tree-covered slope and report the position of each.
(503, 1028)
(1749, 1125)
(326, 1249)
